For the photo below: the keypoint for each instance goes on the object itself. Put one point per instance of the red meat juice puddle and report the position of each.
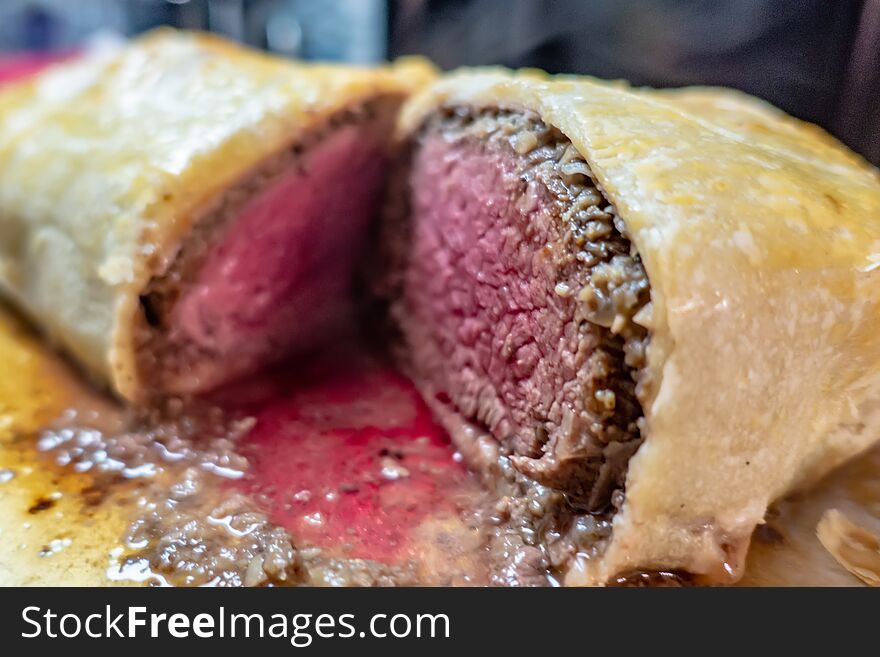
(346, 456)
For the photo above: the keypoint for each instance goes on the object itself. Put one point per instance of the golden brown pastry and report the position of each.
(644, 315)
(179, 213)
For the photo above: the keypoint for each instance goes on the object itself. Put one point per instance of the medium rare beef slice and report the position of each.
(519, 298)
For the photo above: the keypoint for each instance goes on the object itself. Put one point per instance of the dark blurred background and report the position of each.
(817, 59)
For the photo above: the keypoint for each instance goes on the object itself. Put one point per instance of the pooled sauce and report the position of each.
(351, 460)
(331, 472)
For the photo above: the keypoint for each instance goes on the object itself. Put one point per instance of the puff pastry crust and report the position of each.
(761, 239)
(106, 162)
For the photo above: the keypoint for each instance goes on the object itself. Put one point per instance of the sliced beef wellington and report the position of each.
(184, 211)
(643, 316)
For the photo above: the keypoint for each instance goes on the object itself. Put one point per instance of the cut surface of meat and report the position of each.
(519, 300)
(269, 270)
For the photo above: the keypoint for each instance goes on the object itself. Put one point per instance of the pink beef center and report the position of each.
(487, 327)
(280, 277)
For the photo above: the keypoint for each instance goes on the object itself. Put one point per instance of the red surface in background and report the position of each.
(346, 456)
(18, 66)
